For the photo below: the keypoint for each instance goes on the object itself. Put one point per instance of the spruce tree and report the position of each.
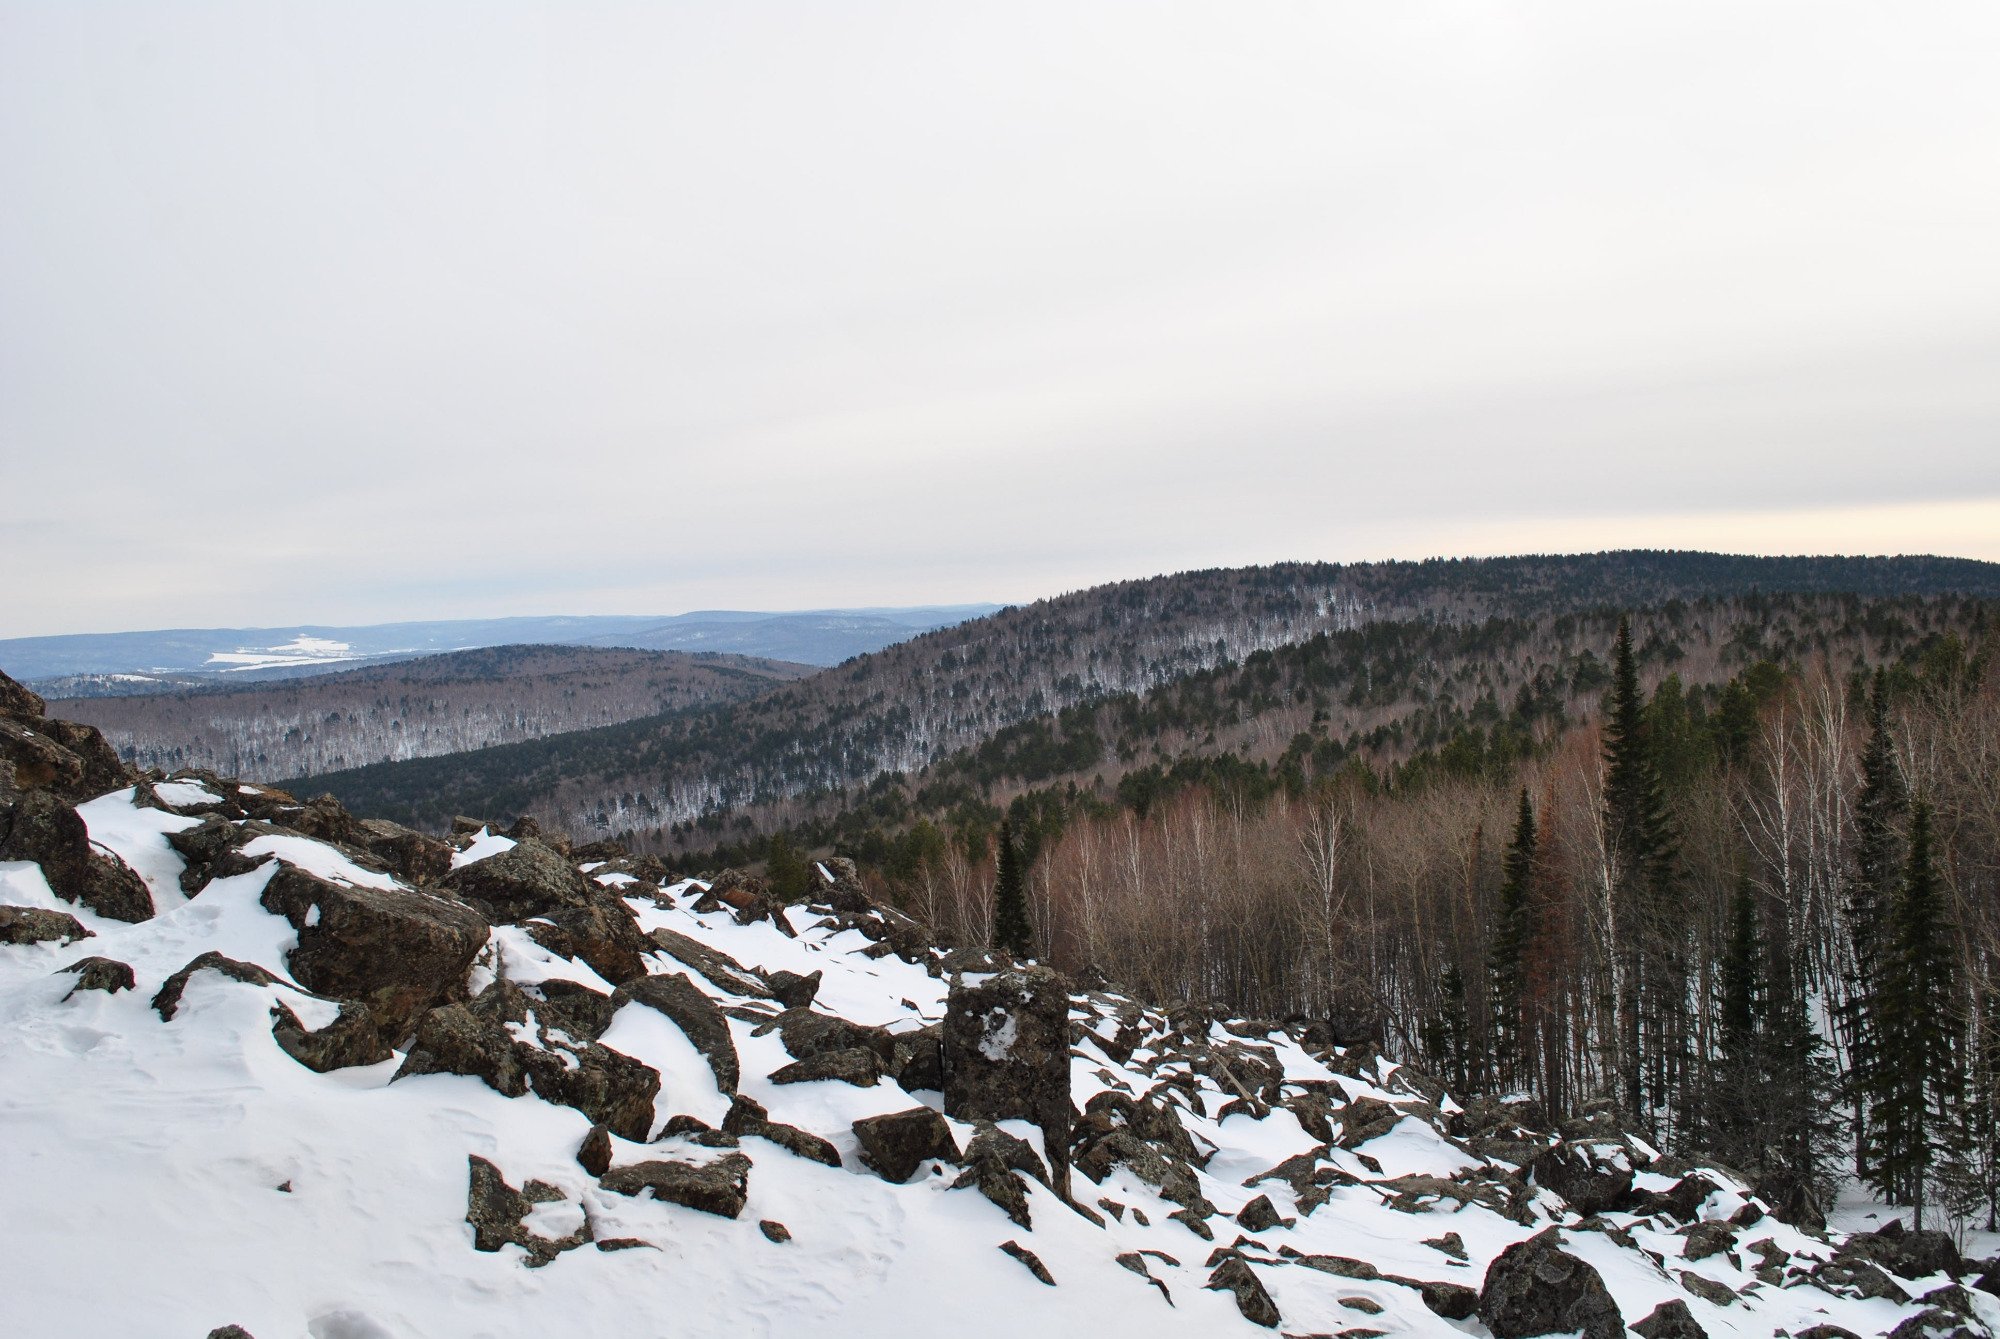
(1802, 1128)
(787, 872)
(1871, 889)
(1735, 1098)
(1513, 925)
(1652, 1002)
(1917, 1082)
(1011, 930)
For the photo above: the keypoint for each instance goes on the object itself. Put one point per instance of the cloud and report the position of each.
(370, 311)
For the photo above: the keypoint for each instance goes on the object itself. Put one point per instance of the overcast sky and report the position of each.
(355, 312)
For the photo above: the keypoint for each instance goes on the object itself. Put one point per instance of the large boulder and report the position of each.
(46, 829)
(73, 762)
(1593, 1175)
(1006, 1055)
(527, 880)
(599, 929)
(1896, 1248)
(718, 1187)
(1535, 1287)
(398, 950)
(519, 1043)
(1235, 1277)
(212, 850)
(897, 1144)
(414, 857)
(19, 701)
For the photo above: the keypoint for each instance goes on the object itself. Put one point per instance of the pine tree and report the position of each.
(1508, 967)
(1652, 998)
(1917, 1081)
(1011, 931)
(1878, 809)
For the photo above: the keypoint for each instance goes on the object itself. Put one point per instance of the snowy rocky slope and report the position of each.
(268, 1066)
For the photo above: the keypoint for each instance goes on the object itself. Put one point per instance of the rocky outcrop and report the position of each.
(212, 850)
(896, 1145)
(497, 1212)
(398, 950)
(517, 1043)
(1535, 1287)
(46, 829)
(533, 884)
(1594, 1175)
(719, 1187)
(1006, 1055)
(70, 762)
(33, 925)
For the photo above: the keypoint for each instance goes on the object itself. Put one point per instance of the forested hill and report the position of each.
(419, 708)
(1380, 633)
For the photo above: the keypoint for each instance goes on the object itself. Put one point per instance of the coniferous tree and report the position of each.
(1878, 810)
(1803, 1130)
(787, 872)
(1511, 931)
(1917, 1082)
(1652, 994)
(1011, 930)
(1735, 1090)
(1446, 1034)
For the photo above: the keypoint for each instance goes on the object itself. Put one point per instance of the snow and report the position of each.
(185, 794)
(484, 846)
(144, 1162)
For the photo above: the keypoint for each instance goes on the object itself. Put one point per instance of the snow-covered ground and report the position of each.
(167, 1177)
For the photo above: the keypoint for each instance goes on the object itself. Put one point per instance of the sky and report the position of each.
(371, 311)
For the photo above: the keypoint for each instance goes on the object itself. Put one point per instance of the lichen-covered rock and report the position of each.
(35, 925)
(1593, 1175)
(1535, 1287)
(527, 880)
(794, 991)
(1896, 1248)
(994, 1162)
(397, 949)
(353, 1038)
(211, 851)
(1029, 1259)
(599, 929)
(46, 829)
(489, 1038)
(1671, 1319)
(695, 1014)
(414, 857)
(854, 1065)
(1235, 1277)
(105, 974)
(496, 1211)
(713, 965)
(749, 1118)
(1006, 1055)
(719, 1187)
(167, 1000)
(1259, 1215)
(897, 1144)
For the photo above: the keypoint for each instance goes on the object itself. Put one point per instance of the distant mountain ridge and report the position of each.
(168, 658)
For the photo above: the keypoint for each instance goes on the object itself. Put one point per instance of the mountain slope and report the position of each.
(245, 1152)
(416, 708)
(920, 704)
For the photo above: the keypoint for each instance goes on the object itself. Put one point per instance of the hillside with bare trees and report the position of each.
(416, 708)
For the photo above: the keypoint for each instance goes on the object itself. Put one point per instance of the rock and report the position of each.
(1708, 1290)
(20, 701)
(695, 1014)
(775, 1231)
(230, 1332)
(1237, 1278)
(1826, 1332)
(48, 831)
(72, 762)
(1854, 1277)
(1706, 1239)
(1938, 1323)
(167, 1000)
(747, 1118)
(594, 1154)
(1006, 1056)
(1914, 1255)
(991, 1160)
(475, 1039)
(496, 1210)
(719, 1187)
(1259, 1215)
(854, 1065)
(1683, 1202)
(1593, 1175)
(1450, 1244)
(33, 925)
(1366, 1118)
(1149, 1118)
(1671, 1319)
(1030, 1259)
(897, 1145)
(1173, 1180)
(794, 991)
(211, 851)
(1535, 1287)
(353, 1038)
(399, 950)
(716, 967)
(601, 930)
(917, 1058)
(529, 879)
(105, 974)
(414, 857)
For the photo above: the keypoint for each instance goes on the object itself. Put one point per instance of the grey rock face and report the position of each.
(1535, 1287)
(1006, 1055)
